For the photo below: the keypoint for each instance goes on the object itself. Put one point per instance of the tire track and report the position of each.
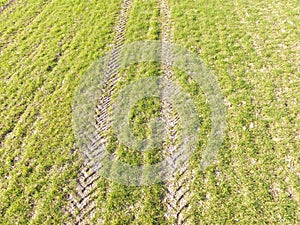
(82, 205)
(177, 189)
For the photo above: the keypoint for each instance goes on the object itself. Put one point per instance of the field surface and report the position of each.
(251, 47)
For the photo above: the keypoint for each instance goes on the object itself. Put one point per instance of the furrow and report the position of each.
(14, 125)
(84, 202)
(12, 42)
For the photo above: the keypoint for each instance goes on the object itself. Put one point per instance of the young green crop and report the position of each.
(40, 71)
(252, 47)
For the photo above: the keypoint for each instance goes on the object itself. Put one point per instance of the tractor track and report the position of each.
(82, 204)
(177, 189)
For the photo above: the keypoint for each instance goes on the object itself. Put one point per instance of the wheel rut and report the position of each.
(177, 190)
(177, 198)
(82, 205)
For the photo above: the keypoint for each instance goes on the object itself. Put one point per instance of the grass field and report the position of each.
(252, 48)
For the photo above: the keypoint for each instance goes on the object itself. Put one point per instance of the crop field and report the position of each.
(252, 48)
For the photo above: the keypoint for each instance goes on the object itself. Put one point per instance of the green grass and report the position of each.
(37, 93)
(252, 47)
(121, 204)
(252, 166)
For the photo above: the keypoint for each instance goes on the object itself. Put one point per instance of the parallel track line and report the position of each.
(177, 189)
(86, 212)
